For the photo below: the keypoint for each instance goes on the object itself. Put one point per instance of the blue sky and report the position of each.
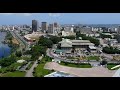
(62, 18)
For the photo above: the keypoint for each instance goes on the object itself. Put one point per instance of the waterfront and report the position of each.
(4, 48)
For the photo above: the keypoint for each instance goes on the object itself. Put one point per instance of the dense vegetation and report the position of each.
(55, 39)
(7, 61)
(111, 50)
(37, 51)
(18, 53)
(43, 41)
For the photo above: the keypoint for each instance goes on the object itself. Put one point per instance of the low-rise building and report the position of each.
(68, 45)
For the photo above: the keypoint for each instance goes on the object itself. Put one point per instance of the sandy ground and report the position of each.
(15, 41)
(81, 72)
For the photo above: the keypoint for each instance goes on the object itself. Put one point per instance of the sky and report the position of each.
(62, 18)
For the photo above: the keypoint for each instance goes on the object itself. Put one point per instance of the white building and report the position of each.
(67, 44)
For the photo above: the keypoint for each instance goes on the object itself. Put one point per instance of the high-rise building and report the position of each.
(44, 26)
(35, 25)
(51, 28)
(55, 24)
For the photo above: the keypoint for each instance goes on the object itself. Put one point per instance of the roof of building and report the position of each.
(92, 47)
(69, 43)
(80, 41)
(66, 43)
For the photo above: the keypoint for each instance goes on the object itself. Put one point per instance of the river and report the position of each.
(4, 48)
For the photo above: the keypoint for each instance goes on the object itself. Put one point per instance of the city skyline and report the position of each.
(62, 18)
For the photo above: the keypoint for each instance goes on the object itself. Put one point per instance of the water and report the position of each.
(4, 48)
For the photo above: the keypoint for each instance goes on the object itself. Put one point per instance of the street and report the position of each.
(30, 72)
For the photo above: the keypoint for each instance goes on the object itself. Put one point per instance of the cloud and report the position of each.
(54, 14)
(24, 14)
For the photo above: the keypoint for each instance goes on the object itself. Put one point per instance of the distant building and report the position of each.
(35, 25)
(118, 31)
(44, 26)
(56, 24)
(86, 30)
(50, 28)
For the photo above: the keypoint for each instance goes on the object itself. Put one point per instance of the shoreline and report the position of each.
(8, 41)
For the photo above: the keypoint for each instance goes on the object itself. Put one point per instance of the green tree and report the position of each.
(37, 51)
(55, 39)
(18, 53)
(43, 41)
(8, 61)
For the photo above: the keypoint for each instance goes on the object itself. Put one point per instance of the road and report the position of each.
(21, 43)
(30, 72)
(24, 67)
(21, 38)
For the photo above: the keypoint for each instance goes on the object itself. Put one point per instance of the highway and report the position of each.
(23, 43)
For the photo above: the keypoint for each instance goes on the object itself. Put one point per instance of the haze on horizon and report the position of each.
(62, 18)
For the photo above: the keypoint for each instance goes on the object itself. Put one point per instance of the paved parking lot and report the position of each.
(81, 72)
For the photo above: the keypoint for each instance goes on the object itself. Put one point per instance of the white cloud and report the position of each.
(54, 14)
(24, 14)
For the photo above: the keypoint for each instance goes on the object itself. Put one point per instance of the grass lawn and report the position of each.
(109, 66)
(94, 58)
(10, 68)
(82, 65)
(14, 74)
(40, 71)
(30, 65)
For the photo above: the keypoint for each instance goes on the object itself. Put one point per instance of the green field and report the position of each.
(39, 70)
(14, 74)
(94, 58)
(82, 65)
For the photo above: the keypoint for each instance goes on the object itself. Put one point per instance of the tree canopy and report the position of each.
(43, 41)
(111, 50)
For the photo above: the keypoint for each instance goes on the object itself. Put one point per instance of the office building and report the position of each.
(35, 25)
(51, 28)
(56, 25)
(44, 26)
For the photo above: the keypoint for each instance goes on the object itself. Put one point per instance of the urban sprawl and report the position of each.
(70, 50)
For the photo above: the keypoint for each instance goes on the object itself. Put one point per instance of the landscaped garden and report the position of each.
(39, 71)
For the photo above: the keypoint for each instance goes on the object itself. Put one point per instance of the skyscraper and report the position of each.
(44, 26)
(51, 28)
(55, 24)
(35, 25)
